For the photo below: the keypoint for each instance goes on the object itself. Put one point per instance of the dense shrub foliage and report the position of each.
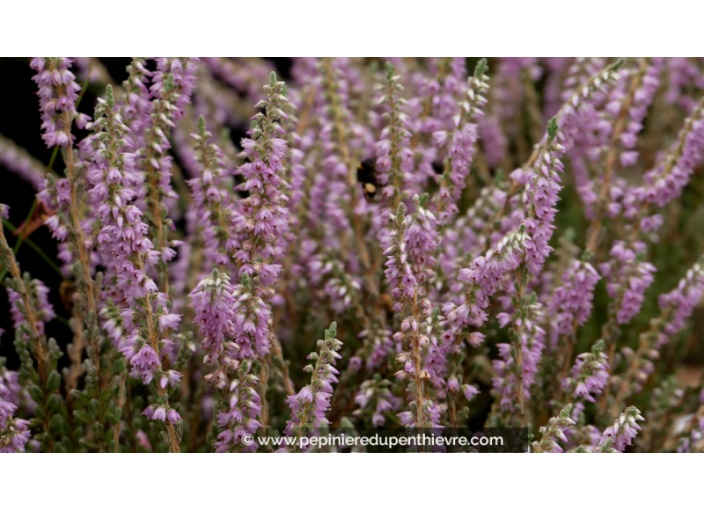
(504, 243)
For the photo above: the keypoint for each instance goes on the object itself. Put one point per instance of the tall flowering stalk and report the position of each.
(381, 221)
(571, 117)
(676, 306)
(621, 433)
(570, 306)
(629, 273)
(214, 303)
(519, 364)
(263, 217)
(589, 374)
(340, 159)
(553, 432)
(541, 198)
(431, 108)
(413, 337)
(213, 207)
(461, 142)
(136, 104)
(666, 181)
(144, 314)
(484, 276)
(58, 93)
(629, 276)
(627, 108)
(309, 405)
(394, 158)
(30, 310)
(171, 90)
(219, 311)
(259, 223)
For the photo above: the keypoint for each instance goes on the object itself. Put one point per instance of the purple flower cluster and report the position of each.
(214, 303)
(518, 364)
(484, 276)
(136, 104)
(571, 303)
(619, 435)
(394, 157)
(543, 185)
(39, 297)
(377, 343)
(422, 241)
(251, 320)
(412, 338)
(129, 256)
(18, 160)
(171, 88)
(639, 99)
(585, 128)
(628, 278)
(555, 430)
(258, 225)
(402, 281)
(461, 142)
(666, 181)
(682, 301)
(683, 78)
(182, 71)
(375, 197)
(309, 405)
(676, 307)
(376, 399)
(14, 432)
(262, 218)
(212, 207)
(589, 374)
(58, 92)
(240, 412)
(582, 98)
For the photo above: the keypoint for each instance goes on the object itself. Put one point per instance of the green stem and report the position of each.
(63, 320)
(36, 248)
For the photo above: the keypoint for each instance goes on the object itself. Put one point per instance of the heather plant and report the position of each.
(244, 251)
